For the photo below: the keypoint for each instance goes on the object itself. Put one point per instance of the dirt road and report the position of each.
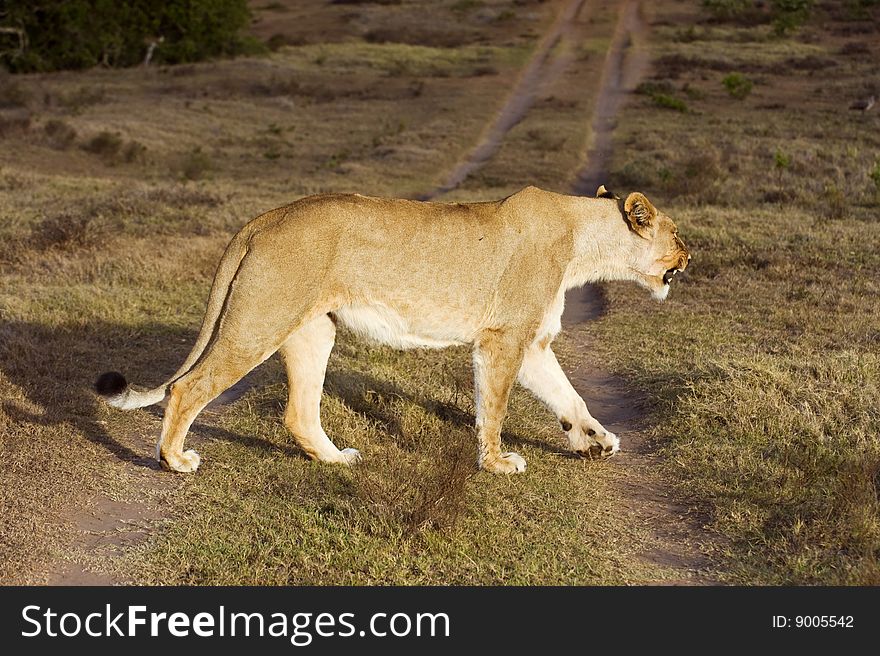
(542, 69)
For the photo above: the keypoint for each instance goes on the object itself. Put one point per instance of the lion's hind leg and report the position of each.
(221, 367)
(305, 355)
(242, 340)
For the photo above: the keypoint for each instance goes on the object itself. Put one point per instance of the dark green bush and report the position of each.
(737, 85)
(72, 34)
(669, 102)
(789, 14)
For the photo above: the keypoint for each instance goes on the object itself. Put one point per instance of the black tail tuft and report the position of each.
(110, 384)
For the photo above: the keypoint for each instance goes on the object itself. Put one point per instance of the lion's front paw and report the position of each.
(350, 456)
(506, 463)
(608, 445)
(186, 462)
(595, 444)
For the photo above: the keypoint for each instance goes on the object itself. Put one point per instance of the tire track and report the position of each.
(541, 69)
(624, 67)
(677, 537)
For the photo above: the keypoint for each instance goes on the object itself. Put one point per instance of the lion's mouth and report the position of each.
(667, 277)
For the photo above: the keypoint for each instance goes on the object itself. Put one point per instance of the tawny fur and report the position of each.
(414, 274)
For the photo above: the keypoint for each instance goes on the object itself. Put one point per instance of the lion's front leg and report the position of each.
(497, 357)
(541, 374)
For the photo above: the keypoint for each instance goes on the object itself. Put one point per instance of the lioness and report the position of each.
(412, 274)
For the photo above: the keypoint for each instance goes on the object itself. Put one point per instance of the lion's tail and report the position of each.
(113, 386)
(116, 392)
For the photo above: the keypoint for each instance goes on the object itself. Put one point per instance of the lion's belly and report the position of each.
(379, 323)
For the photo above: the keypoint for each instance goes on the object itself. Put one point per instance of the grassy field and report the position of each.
(119, 190)
(766, 364)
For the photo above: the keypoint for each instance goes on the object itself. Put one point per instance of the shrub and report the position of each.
(133, 151)
(661, 92)
(196, 164)
(697, 172)
(59, 134)
(785, 15)
(637, 174)
(652, 87)
(73, 34)
(669, 102)
(781, 161)
(69, 231)
(737, 85)
(106, 144)
(789, 14)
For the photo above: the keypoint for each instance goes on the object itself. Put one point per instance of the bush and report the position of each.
(69, 231)
(781, 161)
(738, 86)
(196, 164)
(106, 144)
(666, 101)
(60, 135)
(653, 87)
(73, 34)
(785, 15)
(789, 14)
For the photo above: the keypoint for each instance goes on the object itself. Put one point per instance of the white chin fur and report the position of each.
(661, 294)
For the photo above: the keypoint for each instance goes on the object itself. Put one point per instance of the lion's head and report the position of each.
(661, 254)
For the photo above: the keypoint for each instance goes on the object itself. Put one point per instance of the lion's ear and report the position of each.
(602, 192)
(640, 214)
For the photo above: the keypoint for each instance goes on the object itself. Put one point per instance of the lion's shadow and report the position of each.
(55, 368)
(359, 392)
